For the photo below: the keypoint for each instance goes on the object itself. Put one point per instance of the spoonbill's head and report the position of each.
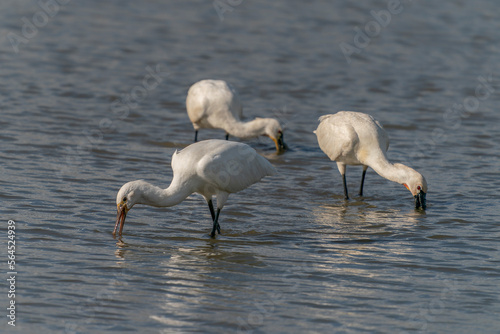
(129, 195)
(273, 130)
(417, 185)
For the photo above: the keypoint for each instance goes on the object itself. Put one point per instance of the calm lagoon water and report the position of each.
(81, 115)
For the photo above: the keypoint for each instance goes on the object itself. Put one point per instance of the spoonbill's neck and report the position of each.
(248, 129)
(156, 196)
(394, 172)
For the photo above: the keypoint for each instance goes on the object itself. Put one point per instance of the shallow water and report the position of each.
(293, 257)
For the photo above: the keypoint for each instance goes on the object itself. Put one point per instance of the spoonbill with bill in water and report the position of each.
(215, 104)
(354, 138)
(210, 168)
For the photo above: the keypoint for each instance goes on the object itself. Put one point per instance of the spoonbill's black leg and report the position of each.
(227, 136)
(216, 226)
(195, 136)
(362, 180)
(346, 196)
(211, 207)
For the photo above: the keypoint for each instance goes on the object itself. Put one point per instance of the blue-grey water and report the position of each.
(92, 96)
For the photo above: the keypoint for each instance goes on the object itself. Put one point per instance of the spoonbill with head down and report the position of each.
(215, 104)
(354, 138)
(211, 167)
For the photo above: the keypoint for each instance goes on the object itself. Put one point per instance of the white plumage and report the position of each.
(353, 138)
(215, 104)
(210, 168)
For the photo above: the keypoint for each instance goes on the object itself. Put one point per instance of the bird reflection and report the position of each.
(348, 216)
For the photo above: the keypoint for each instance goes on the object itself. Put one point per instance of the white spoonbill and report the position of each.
(215, 104)
(354, 138)
(210, 167)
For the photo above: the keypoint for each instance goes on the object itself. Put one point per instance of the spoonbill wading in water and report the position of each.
(210, 167)
(215, 104)
(354, 138)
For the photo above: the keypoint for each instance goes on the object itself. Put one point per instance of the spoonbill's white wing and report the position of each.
(232, 166)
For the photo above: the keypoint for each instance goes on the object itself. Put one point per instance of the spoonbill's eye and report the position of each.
(419, 188)
(124, 199)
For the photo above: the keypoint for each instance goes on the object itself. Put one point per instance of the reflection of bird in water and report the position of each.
(215, 104)
(353, 138)
(360, 214)
(211, 167)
